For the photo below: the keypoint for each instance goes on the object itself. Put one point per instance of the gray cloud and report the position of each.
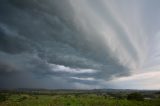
(53, 44)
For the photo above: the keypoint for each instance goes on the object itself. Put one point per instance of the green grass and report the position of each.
(72, 100)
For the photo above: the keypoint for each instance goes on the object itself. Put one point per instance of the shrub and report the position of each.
(135, 96)
(2, 98)
(22, 98)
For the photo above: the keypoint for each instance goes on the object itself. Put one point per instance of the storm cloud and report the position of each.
(76, 44)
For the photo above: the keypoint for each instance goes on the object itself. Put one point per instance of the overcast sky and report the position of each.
(81, 44)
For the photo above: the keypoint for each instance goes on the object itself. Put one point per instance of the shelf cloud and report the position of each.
(78, 44)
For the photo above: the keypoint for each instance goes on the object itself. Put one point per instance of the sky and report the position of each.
(80, 44)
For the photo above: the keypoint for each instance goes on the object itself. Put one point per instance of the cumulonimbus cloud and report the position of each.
(80, 42)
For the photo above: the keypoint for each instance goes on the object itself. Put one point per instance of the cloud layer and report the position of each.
(76, 44)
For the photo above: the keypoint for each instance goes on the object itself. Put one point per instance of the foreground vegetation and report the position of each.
(91, 99)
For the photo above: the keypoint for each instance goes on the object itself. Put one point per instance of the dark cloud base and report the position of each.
(35, 34)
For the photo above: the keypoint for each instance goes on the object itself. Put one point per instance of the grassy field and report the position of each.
(73, 100)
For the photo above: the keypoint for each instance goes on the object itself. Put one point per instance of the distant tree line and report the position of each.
(135, 96)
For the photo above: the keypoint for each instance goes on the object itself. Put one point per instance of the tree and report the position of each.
(135, 96)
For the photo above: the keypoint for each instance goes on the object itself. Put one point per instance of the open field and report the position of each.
(76, 98)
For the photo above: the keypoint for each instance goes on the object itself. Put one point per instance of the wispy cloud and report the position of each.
(64, 69)
(83, 79)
